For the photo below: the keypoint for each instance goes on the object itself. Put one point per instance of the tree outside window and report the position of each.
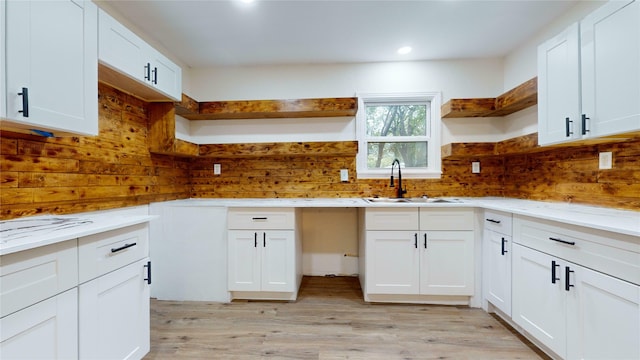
(398, 128)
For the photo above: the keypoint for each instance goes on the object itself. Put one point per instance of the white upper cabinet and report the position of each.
(589, 76)
(610, 54)
(559, 87)
(129, 63)
(51, 66)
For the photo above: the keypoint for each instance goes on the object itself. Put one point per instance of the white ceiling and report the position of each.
(226, 33)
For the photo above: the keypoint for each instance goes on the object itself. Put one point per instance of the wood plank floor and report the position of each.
(329, 321)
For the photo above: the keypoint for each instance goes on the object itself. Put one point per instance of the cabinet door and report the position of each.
(610, 56)
(603, 319)
(497, 270)
(559, 87)
(46, 330)
(52, 53)
(278, 259)
(393, 262)
(244, 260)
(539, 303)
(114, 314)
(165, 75)
(446, 263)
(121, 49)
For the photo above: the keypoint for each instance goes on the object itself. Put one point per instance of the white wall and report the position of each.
(521, 64)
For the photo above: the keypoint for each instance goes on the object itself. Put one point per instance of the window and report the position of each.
(404, 127)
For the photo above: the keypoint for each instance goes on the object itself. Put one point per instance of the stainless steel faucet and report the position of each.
(400, 192)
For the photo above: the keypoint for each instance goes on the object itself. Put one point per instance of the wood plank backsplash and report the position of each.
(68, 175)
(566, 174)
(571, 174)
(75, 174)
(319, 176)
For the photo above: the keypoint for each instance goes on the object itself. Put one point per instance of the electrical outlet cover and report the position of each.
(606, 160)
(344, 175)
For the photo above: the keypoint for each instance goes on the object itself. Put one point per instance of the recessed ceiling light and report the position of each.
(247, 1)
(404, 50)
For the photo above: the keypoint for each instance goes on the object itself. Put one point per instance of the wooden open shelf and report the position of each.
(332, 148)
(526, 144)
(516, 99)
(518, 145)
(264, 109)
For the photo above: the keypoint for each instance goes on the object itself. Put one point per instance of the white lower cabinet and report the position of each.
(45, 330)
(603, 316)
(393, 262)
(84, 298)
(576, 312)
(496, 263)
(264, 253)
(114, 314)
(446, 263)
(262, 260)
(539, 301)
(432, 255)
(115, 274)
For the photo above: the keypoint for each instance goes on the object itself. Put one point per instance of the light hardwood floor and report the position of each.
(329, 321)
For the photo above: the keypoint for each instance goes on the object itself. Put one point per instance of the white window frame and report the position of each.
(433, 137)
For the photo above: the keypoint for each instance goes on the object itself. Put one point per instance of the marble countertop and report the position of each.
(21, 234)
(35, 231)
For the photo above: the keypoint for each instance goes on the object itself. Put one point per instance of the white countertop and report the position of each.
(77, 225)
(17, 235)
(608, 219)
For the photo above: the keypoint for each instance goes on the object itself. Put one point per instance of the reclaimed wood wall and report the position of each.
(566, 174)
(319, 176)
(571, 174)
(75, 174)
(68, 175)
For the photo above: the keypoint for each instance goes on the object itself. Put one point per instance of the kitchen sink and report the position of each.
(423, 200)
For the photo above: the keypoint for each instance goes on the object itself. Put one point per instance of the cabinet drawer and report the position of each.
(261, 218)
(30, 276)
(108, 251)
(497, 221)
(391, 219)
(615, 254)
(446, 219)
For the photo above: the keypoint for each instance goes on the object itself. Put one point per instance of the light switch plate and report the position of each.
(475, 167)
(217, 169)
(344, 175)
(606, 160)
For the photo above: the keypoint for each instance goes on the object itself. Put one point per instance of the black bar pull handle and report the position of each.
(503, 250)
(147, 71)
(567, 282)
(415, 243)
(25, 102)
(554, 265)
(563, 241)
(125, 246)
(155, 75)
(425, 240)
(568, 127)
(584, 124)
(258, 218)
(148, 266)
(255, 239)
(264, 239)
(493, 221)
